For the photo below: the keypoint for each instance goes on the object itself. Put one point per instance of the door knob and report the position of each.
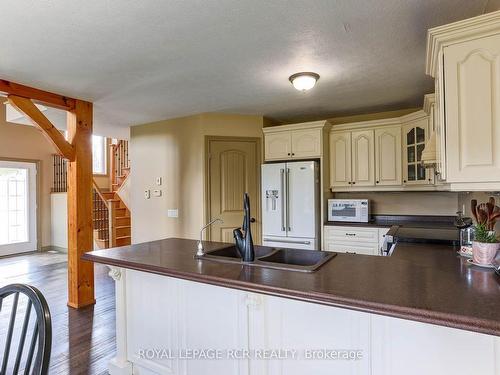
(252, 220)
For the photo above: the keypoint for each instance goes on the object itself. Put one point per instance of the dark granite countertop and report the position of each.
(421, 282)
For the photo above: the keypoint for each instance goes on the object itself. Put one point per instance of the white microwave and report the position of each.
(353, 210)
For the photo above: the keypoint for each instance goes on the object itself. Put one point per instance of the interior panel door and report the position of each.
(234, 168)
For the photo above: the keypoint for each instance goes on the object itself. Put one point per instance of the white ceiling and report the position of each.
(147, 60)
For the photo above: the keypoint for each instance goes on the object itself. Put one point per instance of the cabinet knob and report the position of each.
(288, 154)
(293, 154)
(353, 182)
(377, 182)
(349, 182)
(404, 181)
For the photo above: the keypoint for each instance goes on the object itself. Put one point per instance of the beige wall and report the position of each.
(27, 142)
(408, 203)
(492, 6)
(174, 150)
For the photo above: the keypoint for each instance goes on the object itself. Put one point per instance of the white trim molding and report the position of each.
(442, 36)
(301, 126)
(120, 365)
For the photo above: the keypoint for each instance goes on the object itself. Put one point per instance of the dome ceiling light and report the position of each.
(304, 81)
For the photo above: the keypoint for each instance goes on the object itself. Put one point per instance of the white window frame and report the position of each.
(104, 161)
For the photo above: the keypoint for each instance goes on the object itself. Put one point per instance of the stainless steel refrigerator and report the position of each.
(290, 205)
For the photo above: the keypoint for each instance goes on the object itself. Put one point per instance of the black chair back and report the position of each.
(31, 355)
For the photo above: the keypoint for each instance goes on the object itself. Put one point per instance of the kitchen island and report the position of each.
(422, 311)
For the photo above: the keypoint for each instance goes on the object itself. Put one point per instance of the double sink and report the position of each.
(270, 257)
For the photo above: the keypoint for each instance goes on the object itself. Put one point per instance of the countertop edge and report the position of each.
(420, 315)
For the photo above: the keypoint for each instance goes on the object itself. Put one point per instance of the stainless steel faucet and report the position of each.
(201, 251)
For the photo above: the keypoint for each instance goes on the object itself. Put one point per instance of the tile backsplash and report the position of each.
(408, 203)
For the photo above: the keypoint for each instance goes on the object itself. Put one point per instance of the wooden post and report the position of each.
(80, 273)
(79, 153)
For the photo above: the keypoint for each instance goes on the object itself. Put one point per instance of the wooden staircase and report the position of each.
(111, 216)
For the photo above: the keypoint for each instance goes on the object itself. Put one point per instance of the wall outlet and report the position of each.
(173, 213)
(156, 193)
(158, 181)
(147, 194)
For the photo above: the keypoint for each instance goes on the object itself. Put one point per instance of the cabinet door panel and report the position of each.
(388, 156)
(278, 146)
(395, 343)
(340, 159)
(472, 105)
(357, 234)
(288, 324)
(414, 135)
(363, 158)
(354, 247)
(306, 143)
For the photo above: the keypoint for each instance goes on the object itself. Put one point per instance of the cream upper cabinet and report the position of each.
(296, 141)
(306, 143)
(340, 160)
(472, 101)
(278, 146)
(464, 59)
(414, 137)
(352, 159)
(388, 156)
(381, 155)
(363, 160)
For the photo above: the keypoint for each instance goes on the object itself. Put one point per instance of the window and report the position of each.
(13, 205)
(99, 154)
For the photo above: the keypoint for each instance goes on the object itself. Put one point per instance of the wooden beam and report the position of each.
(80, 231)
(39, 96)
(31, 111)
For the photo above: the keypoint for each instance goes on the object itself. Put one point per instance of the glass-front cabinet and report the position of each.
(414, 137)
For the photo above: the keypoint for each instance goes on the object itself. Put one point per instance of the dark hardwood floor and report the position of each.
(84, 340)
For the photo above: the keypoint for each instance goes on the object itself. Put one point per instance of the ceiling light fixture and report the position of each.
(304, 81)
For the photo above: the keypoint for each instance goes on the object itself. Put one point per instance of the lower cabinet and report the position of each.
(355, 240)
(172, 326)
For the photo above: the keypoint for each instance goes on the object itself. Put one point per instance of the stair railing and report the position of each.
(60, 174)
(104, 216)
(119, 162)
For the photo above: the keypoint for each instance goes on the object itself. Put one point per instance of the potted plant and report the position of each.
(485, 245)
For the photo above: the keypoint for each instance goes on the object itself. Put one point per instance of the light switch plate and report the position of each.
(173, 213)
(156, 193)
(158, 181)
(147, 194)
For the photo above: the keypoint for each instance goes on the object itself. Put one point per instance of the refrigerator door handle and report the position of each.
(282, 181)
(288, 200)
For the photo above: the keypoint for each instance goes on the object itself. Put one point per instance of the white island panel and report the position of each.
(171, 315)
